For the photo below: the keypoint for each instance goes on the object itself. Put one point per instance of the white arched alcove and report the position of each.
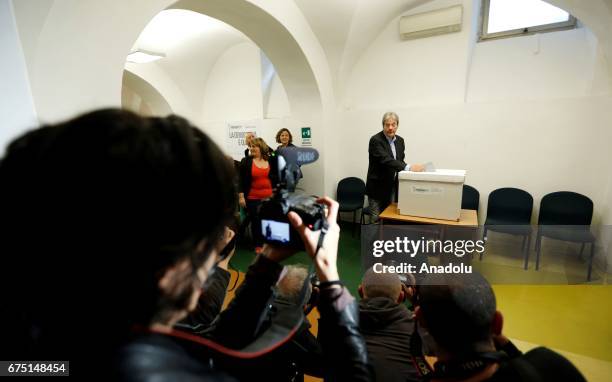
(141, 97)
(72, 72)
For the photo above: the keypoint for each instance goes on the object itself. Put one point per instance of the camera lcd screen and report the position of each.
(273, 230)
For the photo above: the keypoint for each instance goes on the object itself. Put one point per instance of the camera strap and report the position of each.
(324, 229)
(468, 366)
(416, 353)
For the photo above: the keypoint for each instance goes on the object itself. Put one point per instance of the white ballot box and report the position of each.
(435, 194)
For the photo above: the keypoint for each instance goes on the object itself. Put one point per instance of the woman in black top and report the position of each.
(285, 138)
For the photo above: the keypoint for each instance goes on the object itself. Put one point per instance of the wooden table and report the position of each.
(467, 218)
(465, 227)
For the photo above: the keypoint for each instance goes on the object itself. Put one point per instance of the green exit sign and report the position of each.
(306, 132)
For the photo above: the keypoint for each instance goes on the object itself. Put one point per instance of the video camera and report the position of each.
(275, 227)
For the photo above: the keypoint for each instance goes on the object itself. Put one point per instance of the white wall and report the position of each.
(16, 104)
(562, 64)
(139, 96)
(233, 87)
(530, 112)
(162, 81)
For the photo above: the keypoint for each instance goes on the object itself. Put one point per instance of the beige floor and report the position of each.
(555, 306)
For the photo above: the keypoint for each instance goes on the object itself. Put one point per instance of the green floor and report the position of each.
(349, 262)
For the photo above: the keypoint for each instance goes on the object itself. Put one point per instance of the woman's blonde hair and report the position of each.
(263, 147)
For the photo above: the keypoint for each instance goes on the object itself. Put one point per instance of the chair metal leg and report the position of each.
(538, 249)
(527, 250)
(591, 260)
(523, 245)
(484, 239)
(582, 248)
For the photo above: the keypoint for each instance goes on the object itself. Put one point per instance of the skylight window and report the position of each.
(504, 18)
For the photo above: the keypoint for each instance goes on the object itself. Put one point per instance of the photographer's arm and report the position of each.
(239, 324)
(343, 345)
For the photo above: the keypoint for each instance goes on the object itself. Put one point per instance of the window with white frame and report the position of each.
(506, 18)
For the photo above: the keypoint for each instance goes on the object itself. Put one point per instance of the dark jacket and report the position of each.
(344, 348)
(387, 328)
(539, 364)
(246, 175)
(160, 357)
(289, 145)
(142, 359)
(382, 168)
(209, 304)
(301, 355)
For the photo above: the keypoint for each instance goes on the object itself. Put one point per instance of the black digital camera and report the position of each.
(275, 227)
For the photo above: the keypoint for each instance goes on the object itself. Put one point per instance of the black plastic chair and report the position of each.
(566, 216)
(509, 211)
(350, 195)
(470, 199)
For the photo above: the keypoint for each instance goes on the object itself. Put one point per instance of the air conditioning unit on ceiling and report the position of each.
(433, 23)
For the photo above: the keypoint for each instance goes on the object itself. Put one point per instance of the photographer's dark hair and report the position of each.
(97, 208)
(458, 309)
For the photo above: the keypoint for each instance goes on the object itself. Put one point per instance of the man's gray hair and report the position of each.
(290, 287)
(381, 285)
(390, 115)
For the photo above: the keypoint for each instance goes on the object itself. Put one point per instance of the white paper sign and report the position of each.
(234, 142)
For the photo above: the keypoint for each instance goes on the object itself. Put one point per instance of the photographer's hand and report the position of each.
(325, 259)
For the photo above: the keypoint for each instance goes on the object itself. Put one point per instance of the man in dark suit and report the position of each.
(386, 154)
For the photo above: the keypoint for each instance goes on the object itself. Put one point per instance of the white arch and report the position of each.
(72, 71)
(134, 85)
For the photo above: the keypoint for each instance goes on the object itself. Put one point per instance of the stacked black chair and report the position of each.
(566, 216)
(509, 211)
(350, 195)
(470, 199)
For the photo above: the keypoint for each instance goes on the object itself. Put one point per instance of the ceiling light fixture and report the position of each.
(142, 57)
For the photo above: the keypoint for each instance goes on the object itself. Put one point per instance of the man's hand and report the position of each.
(241, 200)
(417, 167)
(325, 259)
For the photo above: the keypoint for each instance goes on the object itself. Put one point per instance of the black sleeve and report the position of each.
(378, 152)
(310, 355)
(346, 355)
(239, 324)
(552, 366)
(211, 300)
(245, 175)
(539, 364)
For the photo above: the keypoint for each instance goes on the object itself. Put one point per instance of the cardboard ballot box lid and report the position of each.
(440, 175)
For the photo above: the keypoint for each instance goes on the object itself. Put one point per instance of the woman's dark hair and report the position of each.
(280, 132)
(97, 208)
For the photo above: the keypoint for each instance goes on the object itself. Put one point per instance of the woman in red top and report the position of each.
(256, 185)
